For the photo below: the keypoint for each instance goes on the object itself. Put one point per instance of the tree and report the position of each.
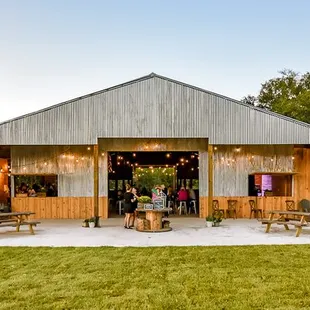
(288, 95)
(252, 100)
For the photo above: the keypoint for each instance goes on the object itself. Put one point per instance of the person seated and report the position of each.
(32, 193)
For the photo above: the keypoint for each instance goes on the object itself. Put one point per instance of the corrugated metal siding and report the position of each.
(232, 169)
(153, 107)
(75, 175)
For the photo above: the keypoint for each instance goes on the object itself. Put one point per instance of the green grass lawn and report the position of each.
(253, 277)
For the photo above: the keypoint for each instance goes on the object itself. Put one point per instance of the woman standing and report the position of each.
(129, 198)
(134, 206)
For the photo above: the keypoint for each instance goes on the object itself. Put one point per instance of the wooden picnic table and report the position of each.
(285, 218)
(17, 219)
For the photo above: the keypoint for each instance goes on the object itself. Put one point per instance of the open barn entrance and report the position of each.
(147, 170)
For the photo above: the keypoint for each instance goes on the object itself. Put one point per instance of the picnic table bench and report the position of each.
(17, 219)
(287, 218)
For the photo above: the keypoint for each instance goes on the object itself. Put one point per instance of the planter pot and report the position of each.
(91, 224)
(209, 224)
(216, 224)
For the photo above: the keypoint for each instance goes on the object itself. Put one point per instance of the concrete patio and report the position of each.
(186, 232)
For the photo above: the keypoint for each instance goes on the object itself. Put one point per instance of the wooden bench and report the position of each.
(14, 223)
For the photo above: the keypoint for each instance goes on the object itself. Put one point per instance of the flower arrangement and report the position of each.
(144, 199)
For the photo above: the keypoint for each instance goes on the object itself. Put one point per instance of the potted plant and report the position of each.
(217, 218)
(85, 223)
(92, 222)
(209, 221)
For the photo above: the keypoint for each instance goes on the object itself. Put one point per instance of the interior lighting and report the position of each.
(182, 159)
(127, 162)
(177, 164)
(24, 168)
(252, 156)
(136, 164)
(64, 156)
(134, 154)
(192, 169)
(45, 163)
(182, 164)
(102, 154)
(187, 160)
(118, 163)
(222, 158)
(77, 160)
(167, 166)
(192, 156)
(82, 158)
(238, 149)
(168, 155)
(1, 170)
(88, 149)
(271, 159)
(293, 157)
(215, 148)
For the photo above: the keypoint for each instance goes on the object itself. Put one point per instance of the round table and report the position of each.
(154, 216)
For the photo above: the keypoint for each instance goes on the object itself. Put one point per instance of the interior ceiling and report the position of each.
(5, 152)
(155, 158)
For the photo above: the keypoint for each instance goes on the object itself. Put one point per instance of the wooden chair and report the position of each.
(255, 210)
(216, 208)
(290, 205)
(231, 209)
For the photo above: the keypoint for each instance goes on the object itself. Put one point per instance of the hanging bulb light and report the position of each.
(168, 155)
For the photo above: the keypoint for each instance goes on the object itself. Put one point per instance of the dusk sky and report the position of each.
(53, 51)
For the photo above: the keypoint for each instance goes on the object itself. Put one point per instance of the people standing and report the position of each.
(129, 198)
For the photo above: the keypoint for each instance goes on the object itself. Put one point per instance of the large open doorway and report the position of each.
(146, 170)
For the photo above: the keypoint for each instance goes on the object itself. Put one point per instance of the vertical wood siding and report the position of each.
(233, 164)
(153, 107)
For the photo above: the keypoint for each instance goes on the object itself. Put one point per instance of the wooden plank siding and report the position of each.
(243, 208)
(55, 207)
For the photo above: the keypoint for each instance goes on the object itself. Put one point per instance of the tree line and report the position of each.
(288, 95)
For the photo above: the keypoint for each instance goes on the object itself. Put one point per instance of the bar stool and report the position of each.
(232, 208)
(120, 204)
(182, 205)
(192, 204)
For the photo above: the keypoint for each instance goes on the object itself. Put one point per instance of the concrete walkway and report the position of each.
(186, 232)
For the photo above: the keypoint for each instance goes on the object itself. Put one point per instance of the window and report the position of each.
(273, 184)
(35, 185)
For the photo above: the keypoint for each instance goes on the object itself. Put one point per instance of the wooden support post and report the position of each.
(210, 178)
(96, 181)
